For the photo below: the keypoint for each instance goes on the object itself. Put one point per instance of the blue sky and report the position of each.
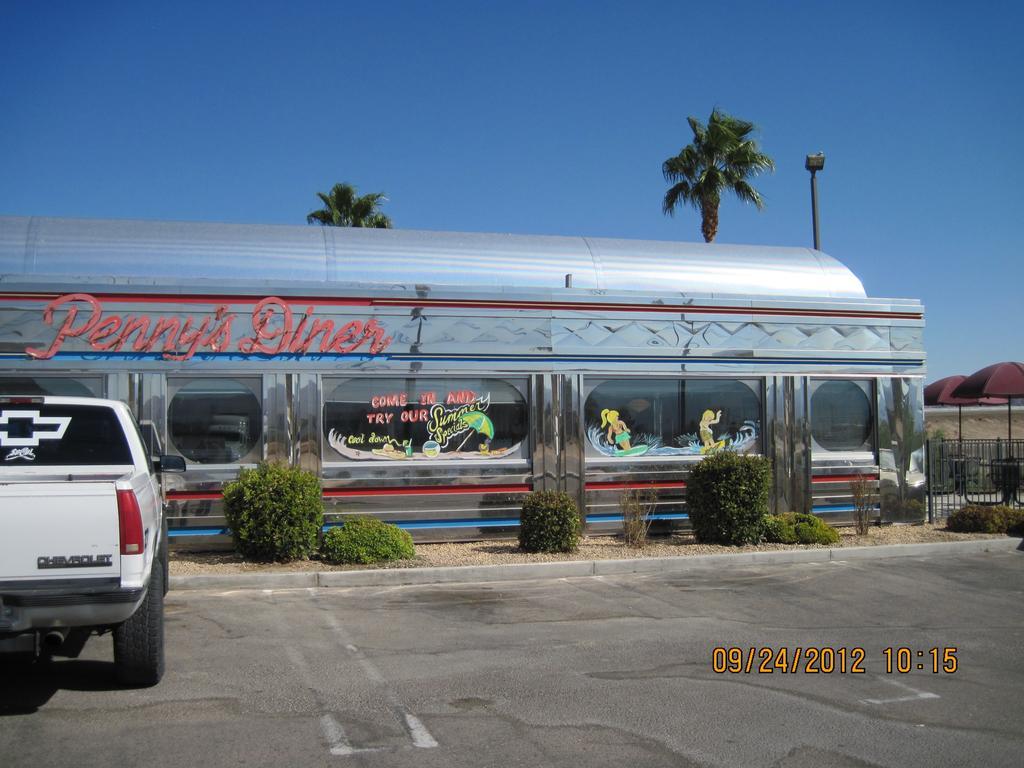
(545, 117)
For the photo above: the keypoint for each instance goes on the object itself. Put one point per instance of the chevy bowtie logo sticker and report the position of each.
(26, 428)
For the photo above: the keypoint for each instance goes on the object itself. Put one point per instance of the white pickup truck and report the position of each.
(83, 540)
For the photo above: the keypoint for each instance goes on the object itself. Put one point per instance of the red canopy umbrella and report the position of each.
(941, 393)
(999, 380)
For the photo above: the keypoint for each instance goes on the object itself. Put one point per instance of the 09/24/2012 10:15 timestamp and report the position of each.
(827, 660)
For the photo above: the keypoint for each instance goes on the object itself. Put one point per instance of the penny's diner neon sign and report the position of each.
(274, 329)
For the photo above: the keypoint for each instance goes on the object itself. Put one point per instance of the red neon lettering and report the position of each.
(106, 328)
(326, 327)
(163, 325)
(191, 338)
(219, 339)
(379, 342)
(295, 341)
(67, 329)
(138, 325)
(345, 334)
(272, 324)
(262, 314)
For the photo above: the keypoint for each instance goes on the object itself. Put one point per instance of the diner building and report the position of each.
(432, 379)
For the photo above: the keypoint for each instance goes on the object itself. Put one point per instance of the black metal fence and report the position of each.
(962, 472)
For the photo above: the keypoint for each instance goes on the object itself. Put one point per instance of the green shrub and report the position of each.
(549, 522)
(275, 512)
(366, 540)
(813, 530)
(798, 528)
(915, 508)
(727, 498)
(778, 530)
(980, 519)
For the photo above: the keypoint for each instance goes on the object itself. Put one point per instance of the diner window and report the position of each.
(422, 419)
(215, 421)
(842, 417)
(63, 386)
(672, 417)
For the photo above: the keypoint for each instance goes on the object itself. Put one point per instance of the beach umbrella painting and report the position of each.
(941, 393)
(479, 423)
(999, 380)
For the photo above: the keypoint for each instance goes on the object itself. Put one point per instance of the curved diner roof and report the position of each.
(118, 250)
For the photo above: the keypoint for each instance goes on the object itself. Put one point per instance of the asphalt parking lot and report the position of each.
(598, 671)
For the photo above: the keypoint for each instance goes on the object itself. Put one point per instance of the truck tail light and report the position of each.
(130, 518)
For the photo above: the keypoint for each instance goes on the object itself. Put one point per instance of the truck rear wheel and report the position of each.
(139, 642)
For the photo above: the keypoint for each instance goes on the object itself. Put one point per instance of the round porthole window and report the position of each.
(215, 421)
(841, 416)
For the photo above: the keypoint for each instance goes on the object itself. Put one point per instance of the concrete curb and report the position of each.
(387, 577)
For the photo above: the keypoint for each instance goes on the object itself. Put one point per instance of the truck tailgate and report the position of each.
(54, 530)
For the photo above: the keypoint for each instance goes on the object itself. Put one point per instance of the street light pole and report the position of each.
(815, 163)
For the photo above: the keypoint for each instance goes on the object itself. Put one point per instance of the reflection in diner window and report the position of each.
(62, 386)
(215, 421)
(672, 417)
(841, 416)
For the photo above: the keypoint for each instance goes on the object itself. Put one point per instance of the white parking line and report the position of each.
(418, 733)
(335, 737)
(334, 734)
(916, 695)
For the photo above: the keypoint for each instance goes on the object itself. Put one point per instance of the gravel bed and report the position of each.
(592, 548)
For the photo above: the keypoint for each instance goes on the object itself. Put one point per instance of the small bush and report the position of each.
(813, 530)
(864, 500)
(366, 540)
(979, 519)
(915, 508)
(798, 528)
(637, 507)
(275, 512)
(777, 530)
(727, 498)
(550, 522)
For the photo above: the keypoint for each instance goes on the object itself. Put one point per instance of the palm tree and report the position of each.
(722, 156)
(343, 207)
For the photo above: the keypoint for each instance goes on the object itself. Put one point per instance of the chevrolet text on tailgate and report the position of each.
(83, 541)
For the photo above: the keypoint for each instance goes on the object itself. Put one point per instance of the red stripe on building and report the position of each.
(194, 495)
(422, 490)
(348, 301)
(426, 490)
(603, 486)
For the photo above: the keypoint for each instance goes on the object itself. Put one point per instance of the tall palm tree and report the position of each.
(722, 156)
(343, 207)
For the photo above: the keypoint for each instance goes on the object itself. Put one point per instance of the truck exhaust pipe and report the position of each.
(53, 640)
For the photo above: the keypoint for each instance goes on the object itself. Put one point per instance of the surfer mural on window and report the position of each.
(618, 435)
(613, 436)
(707, 437)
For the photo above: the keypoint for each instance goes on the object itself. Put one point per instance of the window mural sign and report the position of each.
(614, 438)
(627, 418)
(274, 328)
(424, 422)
